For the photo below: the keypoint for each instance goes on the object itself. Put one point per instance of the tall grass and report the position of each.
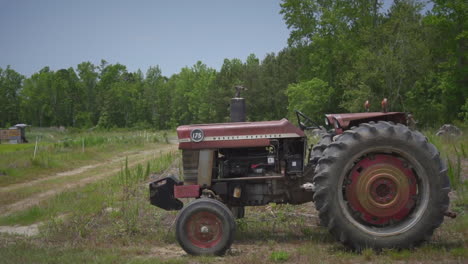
(98, 139)
(455, 169)
(59, 150)
(130, 209)
(129, 205)
(116, 192)
(453, 150)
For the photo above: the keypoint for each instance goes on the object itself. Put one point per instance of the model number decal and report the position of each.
(197, 135)
(242, 137)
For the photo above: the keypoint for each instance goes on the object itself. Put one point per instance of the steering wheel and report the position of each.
(303, 125)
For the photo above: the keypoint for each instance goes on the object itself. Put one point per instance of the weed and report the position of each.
(460, 225)
(129, 208)
(454, 170)
(459, 252)
(5, 148)
(307, 231)
(23, 252)
(279, 256)
(368, 254)
(28, 216)
(271, 243)
(241, 224)
(399, 254)
(205, 259)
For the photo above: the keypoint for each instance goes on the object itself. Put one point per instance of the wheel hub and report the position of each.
(204, 229)
(381, 189)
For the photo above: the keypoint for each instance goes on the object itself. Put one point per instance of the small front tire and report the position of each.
(205, 227)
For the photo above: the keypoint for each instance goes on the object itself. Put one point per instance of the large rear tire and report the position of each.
(381, 185)
(205, 227)
(317, 149)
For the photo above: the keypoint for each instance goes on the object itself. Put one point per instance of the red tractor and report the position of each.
(375, 182)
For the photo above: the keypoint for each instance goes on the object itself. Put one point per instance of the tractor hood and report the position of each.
(235, 135)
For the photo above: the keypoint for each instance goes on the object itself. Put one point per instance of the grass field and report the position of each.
(111, 221)
(59, 150)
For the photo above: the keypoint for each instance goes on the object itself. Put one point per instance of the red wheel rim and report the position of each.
(204, 229)
(381, 189)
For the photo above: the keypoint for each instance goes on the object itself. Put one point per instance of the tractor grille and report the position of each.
(190, 161)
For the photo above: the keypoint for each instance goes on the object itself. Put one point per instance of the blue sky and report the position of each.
(138, 33)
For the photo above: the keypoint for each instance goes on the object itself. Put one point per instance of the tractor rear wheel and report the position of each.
(381, 185)
(317, 149)
(205, 227)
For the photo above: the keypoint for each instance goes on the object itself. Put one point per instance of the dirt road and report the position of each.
(105, 169)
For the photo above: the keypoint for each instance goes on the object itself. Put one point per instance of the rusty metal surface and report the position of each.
(382, 189)
(204, 229)
(353, 119)
(187, 191)
(10, 134)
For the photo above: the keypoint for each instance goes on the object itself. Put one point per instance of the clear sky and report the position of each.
(138, 33)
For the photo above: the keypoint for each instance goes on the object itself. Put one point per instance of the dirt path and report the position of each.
(137, 158)
(30, 230)
(121, 157)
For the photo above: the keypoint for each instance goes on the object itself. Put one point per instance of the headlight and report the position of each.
(326, 122)
(336, 124)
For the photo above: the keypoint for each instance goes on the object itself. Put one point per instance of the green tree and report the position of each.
(229, 76)
(36, 98)
(156, 98)
(255, 94)
(313, 98)
(328, 34)
(88, 79)
(109, 78)
(446, 28)
(10, 86)
(192, 93)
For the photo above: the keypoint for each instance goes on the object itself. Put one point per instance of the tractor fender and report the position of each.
(342, 122)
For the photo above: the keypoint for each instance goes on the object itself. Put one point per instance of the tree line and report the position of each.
(340, 54)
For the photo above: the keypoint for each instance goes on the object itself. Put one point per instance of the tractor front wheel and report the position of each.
(381, 185)
(205, 227)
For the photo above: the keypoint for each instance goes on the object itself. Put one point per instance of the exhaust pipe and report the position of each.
(238, 113)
